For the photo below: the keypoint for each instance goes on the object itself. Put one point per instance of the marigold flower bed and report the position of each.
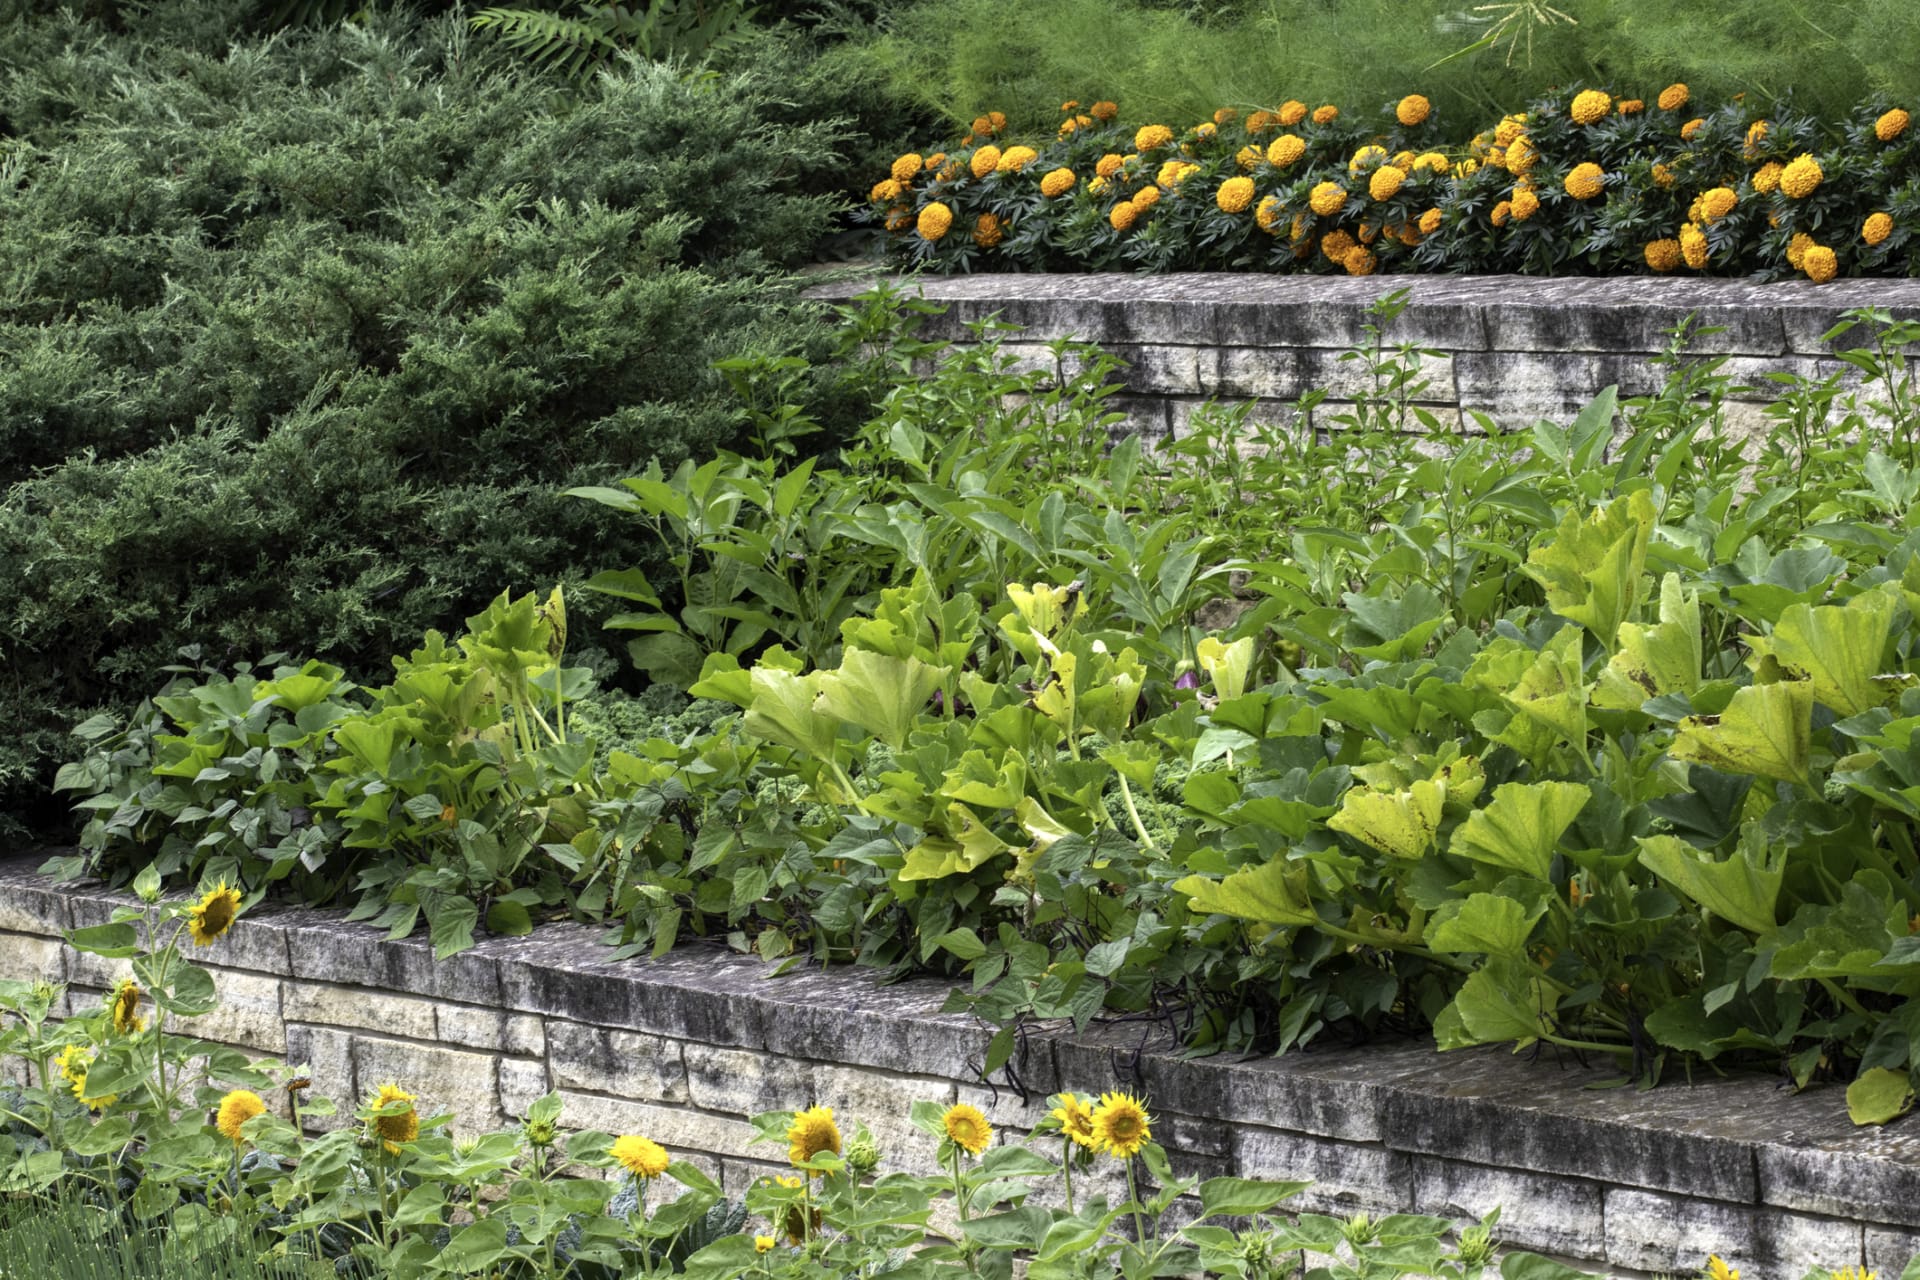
(1584, 183)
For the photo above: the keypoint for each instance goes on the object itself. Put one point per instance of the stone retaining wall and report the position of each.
(1516, 348)
(686, 1048)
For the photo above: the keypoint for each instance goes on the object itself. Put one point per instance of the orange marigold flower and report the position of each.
(988, 230)
(1413, 110)
(1509, 128)
(1766, 179)
(1234, 195)
(1336, 245)
(1525, 204)
(1692, 127)
(1501, 212)
(1801, 177)
(1586, 181)
(1522, 155)
(1820, 263)
(1152, 136)
(1674, 97)
(1327, 199)
(1225, 115)
(1386, 182)
(1249, 156)
(1269, 214)
(1070, 106)
(1797, 248)
(1146, 197)
(1717, 203)
(885, 191)
(1663, 176)
(1292, 112)
(1104, 111)
(1662, 255)
(1431, 162)
(1430, 221)
(1891, 125)
(1693, 246)
(1260, 121)
(980, 126)
(1360, 262)
(934, 161)
(906, 166)
(1326, 114)
(985, 160)
(1014, 159)
(996, 122)
(1123, 215)
(1757, 136)
(1110, 164)
(1629, 106)
(1057, 183)
(1285, 149)
(1589, 106)
(934, 221)
(1876, 228)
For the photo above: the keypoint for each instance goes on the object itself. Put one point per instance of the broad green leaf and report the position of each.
(1393, 626)
(1484, 922)
(1401, 824)
(884, 695)
(1244, 1197)
(1592, 568)
(1227, 665)
(1521, 827)
(1653, 661)
(974, 779)
(1505, 999)
(1766, 730)
(1840, 649)
(114, 941)
(1741, 890)
(965, 846)
(1551, 694)
(782, 711)
(1880, 1095)
(1274, 892)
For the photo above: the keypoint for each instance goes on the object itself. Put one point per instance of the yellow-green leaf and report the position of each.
(1521, 827)
(882, 694)
(1551, 694)
(1401, 824)
(1765, 731)
(1592, 568)
(1743, 890)
(1226, 665)
(1838, 648)
(1879, 1095)
(965, 845)
(1275, 892)
(1484, 922)
(1653, 661)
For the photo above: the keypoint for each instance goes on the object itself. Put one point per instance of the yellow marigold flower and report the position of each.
(1509, 128)
(1014, 159)
(899, 220)
(1891, 125)
(995, 122)
(1205, 130)
(885, 191)
(1501, 212)
(1692, 127)
(1109, 164)
(988, 230)
(1336, 245)
(1174, 172)
(1693, 247)
(934, 161)
(1151, 136)
(1589, 106)
(980, 126)
(1797, 248)
(1327, 199)
(1260, 121)
(950, 171)
(124, 1003)
(1801, 177)
(1820, 263)
(1057, 183)
(213, 915)
(1326, 114)
(1297, 233)
(1291, 112)
(236, 1109)
(1766, 179)
(1285, 149)
(1234, 195)
(1123, 215)
(1146, 197)
(1525, 204)
(1662, 255)
(1070, 106)
(907, 165)
(1104, 111)
(400, 1126)
(1249, 156)
(934, 221)
(1717, 1269)
(764, 1244)
(1586, 181)
(1386, 182)
(1430, 222)
(1522, 155)
(812, 1131)
(1717, 203)
(1431, 162)
(1225, 115)
(1757, 136)
(642, 1157)
(1096, 186)
(1369, 233)
(1267, 216)
(1674, 97)
(1408, 234)
(1365, 159)
(1413, 110)
(1663, 176)
(1121, 1125)
(1629, 106)
(1075, 1118)
(1876, 228)
(968, 1128)
(1360, 262)
(1466, 170)
(985, 160)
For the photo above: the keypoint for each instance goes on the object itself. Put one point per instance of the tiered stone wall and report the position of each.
(1516, 348)
(686, 1048)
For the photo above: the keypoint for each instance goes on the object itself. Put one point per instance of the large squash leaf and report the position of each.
(1840, 649)
(1401, 824)
(1766, 730)
(1275, 892)
(1592, 568)
(1522, 825)
(1743, 890)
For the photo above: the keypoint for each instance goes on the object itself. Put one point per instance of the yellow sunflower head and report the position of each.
(812, 1132)
(236, 1109)
(125, 1006)
(1074, 1115)
(1717, 1269)
(642, 1157)
(72, 1063)
(213, 915)
(1121, 1124)
(968, 1128)
(401, 1123)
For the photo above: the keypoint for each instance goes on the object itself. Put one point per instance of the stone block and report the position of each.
(327, 1053)
(248, 1015)
(1651, 1231)
(465, 1084)
(30, 903)
(692, 994)
(1542, 1213)
(325, 1004)
(882, 1100)
(1817, 1161)
(1889, 1250)
(622, 1063)
(24, 958)
(522, 1034)
(680, 1128)
(1348, 1177)
(745, 1082)
(522, 1083)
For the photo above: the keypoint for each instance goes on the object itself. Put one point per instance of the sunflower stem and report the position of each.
(1066, 1166)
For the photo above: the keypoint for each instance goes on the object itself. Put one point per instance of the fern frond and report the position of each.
(572, 46)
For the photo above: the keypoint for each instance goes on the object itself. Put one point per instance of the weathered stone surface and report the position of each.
(622, 1063)
(1890, 1249)
(744, 1082)
(1546, 1214)
(327, 1004)
(28, 959)
(28, 902)
(681, 1128)
(522, 1083)
(521, 1034)
(1819, 1162)
(882, 1099)
(445, 1080)
(1348, 1177)
(327, 1052)
(249, 1014)
(1650, 1231)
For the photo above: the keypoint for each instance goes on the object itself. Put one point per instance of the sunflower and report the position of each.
(236, 1109)
(1234, 195)
(764, 1244)
(1285, 149)
(213, 915)
(1075, 1118)
(1876, 228)
(1717, 1269)
(1057, 182)
(397, 1126)
(934, 221)
(1121, 1124)
(1327, 199)
(795, 1220)
(1662, 255)
(1801, 178)
(1152, 136)
(125, 1000)
(642, 1157)
(1820, 263)
(1674, 97)
(1412, 110)
(72, 1064)
(1891, 125)
(1586, 181)
(812, 1132)
(967, 1127)
(1717, 203)
(1291, 113)
(1590, 106)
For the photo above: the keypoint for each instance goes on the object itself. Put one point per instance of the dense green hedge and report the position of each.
(301, 337)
